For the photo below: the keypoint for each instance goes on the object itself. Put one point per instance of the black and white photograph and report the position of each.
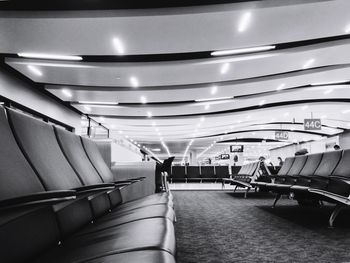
(173, 131)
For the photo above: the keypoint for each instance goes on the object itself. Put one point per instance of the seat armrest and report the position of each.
(340, 178)
(335, 197)
(94, 188)
(38, 198)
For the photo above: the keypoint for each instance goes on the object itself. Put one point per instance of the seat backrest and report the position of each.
(38, 142)
(222, 171)
(343, 167)
(17, 177)
(253, 168)
(244, 169)
(73, 149)
(298, 165)
(328, 163)
(207, 172)
(288, 162)
(193, 172)
(97, 160)
(178, 172)
(311, 164)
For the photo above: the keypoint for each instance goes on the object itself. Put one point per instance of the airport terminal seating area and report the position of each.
(311, 179)
(188, 174)
(60, 202)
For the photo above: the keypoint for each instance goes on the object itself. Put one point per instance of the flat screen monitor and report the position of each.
(236, 148)
(224, 156)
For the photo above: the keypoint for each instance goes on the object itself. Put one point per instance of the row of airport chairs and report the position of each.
(60, 202)
(248, 173)
(312, 179)
(198, 173)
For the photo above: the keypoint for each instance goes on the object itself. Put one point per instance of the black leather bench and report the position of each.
(59, 202)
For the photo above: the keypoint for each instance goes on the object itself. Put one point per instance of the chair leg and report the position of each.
(334, 215)
(246, 192)
(234, 190)
(278, 196)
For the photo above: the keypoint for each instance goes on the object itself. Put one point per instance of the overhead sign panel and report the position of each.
(236, 148)
(312, 124)
(281, 135)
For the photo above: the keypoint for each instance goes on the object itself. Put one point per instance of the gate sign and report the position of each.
(312, 124)
(281, 135)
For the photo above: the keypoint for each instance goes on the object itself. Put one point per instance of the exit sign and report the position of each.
(312, 124)
(281, 135)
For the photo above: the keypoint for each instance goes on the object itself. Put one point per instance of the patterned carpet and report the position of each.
(215, 226)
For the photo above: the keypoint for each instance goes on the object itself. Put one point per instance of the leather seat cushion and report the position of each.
(115, 219)
(154, 233)
(145, 256)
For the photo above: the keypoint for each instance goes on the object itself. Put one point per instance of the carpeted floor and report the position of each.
(215, 226)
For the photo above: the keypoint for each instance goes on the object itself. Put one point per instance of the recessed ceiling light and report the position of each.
(67, 93)
(149, 114)
(210, 99)
(244, 21)
(207, 107)
(281, 86)
(347, 29)
(224, 68)
(262, 102)
(213, 90)
(156, 149)
(328, 91)
(87, 108)
(35, 70)
(153, 123)
(49, 56)
(202, 119)
(134, 82)
(242, 51)
(118, 45)
(305, 107)
(308, 63)
(143, 99)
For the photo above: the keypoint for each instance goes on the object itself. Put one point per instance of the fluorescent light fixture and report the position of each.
(143, 99)
(244, 21)
(98, 102)
(118, 45)
(329, 83)
(346, 111)
(328, 91)
(240, 51)
(149, 114)
(281, 86)
(134, 82)
(49, 56)
(67, 93)
(210, 99)
(308, 63)
(35, 70)
(202, 119)
(213, 90)
(261, 103)
(224, 68)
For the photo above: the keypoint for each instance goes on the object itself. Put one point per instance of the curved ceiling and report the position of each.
(150, 75)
